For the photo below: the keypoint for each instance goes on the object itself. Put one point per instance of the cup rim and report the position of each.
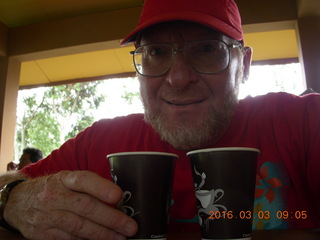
(142, 153)
(206, 150)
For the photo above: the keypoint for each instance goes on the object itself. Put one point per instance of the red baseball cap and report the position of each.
(221, 15)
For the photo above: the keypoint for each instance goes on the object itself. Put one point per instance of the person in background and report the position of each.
(190, 60)
(29, 155)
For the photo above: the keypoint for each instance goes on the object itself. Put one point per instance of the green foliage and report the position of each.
(80, 125)
(60, 113)
(129, 96)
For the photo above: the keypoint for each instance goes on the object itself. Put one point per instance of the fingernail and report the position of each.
(130, 228)
(119, 237)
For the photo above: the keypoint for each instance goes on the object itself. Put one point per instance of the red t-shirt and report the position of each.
(284, 127)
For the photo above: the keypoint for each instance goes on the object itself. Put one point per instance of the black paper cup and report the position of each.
(146, 181)
(224, 181)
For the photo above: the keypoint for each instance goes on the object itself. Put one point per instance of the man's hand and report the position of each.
(11, 166)
(68, 205)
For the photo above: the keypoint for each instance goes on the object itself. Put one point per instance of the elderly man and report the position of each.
(190, 60)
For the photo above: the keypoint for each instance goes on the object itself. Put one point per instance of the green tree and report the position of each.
(60, 113)
(129, 96)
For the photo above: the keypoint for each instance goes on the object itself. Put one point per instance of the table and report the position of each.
(292, 234)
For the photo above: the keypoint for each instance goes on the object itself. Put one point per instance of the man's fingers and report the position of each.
(88, 199)
(52, 234)
(98, 213)
(70, 205)
(81, 227)
(92, 184)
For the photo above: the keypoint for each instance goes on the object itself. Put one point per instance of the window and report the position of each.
(273, 78)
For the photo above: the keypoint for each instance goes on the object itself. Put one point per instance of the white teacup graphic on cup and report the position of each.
(209, 198)
(126, 208)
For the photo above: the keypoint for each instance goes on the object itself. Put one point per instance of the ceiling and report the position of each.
(115, 61)
(26, 12)
(55, 48)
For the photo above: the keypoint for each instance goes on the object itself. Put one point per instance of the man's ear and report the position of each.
(247, 57)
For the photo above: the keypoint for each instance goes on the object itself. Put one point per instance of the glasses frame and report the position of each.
(175, 50)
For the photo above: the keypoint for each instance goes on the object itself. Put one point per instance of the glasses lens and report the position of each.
(153, 59)
(208, 56)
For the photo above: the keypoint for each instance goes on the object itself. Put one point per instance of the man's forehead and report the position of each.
(178, 31)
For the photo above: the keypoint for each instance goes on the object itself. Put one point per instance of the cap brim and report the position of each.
(190, 16)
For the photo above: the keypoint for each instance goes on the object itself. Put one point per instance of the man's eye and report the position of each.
(157, 51)
(208, 48)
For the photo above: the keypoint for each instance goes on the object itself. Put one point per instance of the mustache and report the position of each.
(186, 93)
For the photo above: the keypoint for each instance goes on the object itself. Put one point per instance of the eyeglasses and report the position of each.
(205, 56)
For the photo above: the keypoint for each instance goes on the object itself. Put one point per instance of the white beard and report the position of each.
(184, 134)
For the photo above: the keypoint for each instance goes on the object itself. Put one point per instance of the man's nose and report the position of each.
(181, 73)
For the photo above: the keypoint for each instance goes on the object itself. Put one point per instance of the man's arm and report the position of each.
(66, 205)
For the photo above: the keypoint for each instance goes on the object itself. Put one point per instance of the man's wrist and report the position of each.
(4, 196)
